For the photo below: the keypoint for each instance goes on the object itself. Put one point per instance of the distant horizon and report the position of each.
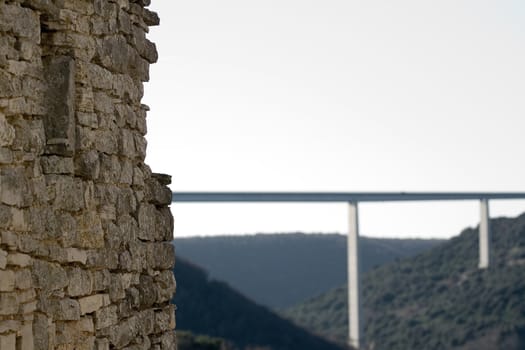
(235, 235)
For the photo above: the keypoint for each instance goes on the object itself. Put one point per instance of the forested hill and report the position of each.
(212, 308)
(281, 270)
(438, 299)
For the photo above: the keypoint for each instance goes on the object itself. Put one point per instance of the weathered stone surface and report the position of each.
(85, 228)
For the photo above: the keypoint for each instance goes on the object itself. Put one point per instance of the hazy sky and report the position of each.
(335, 95)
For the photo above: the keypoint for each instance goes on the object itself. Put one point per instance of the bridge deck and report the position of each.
(338, 196)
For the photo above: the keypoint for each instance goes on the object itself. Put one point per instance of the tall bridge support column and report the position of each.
(354, 285)
(484, 235)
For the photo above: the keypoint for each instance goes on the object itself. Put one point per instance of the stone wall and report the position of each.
(85, 228)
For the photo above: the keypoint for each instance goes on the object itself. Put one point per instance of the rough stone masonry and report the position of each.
(85, 229)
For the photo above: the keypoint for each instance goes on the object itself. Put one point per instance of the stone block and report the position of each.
(14, 187)
(10, 239)
(165, 285)
(9, 303)
(6, 156)
(126, 174)
(109, 167)
(22, 21)
(160, 256)
(80, 282)
(147, 291)
(7, 281)
(141, 145)
(76, 255)
(49, 276)
(126, 202)
(165, 319)
(42, 326)
(26, 337)
(106, 317)
(23, 279)
(124, 332)
(146, 220)
(19, 220)
(3, 255)
(90, 233)
(29, 308)
(10, 326)
(87, 119)
(146, 320)
(101, 344)
(27, 295)
(151, 18)
(75, 334)
(157, 193)
(65, 309)
(7, 132)
(18, 259)
(57, 165)
(87, 165)
(163, 224)
(8, 342)
(93, 303)
(117, 287)
(101, 280)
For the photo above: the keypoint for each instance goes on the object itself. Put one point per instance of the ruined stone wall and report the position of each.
(85, 228)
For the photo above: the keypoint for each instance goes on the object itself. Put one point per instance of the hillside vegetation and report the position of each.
(438, 299)
(213, 308)
(281, 270)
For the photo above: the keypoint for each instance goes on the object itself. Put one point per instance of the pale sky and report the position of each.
(336, 95)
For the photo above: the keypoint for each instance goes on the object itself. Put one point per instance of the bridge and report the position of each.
(355, 326)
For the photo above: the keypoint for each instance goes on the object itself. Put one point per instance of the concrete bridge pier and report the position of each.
(354, 284)
(484, 234)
